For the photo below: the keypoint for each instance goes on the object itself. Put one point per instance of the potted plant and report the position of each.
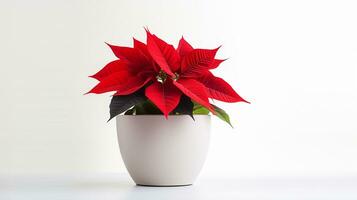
(164, 94)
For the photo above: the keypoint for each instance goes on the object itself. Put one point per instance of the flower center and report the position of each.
(177, 76)
(162, 76)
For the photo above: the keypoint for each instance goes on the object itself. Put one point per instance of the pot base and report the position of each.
(185, 185)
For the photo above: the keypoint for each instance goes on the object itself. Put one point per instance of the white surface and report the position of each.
(164, 152)
(296, 61)
(114, 186)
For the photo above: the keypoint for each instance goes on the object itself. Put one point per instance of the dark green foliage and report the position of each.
(120, 104)
(185, 107)
(138, 104)
(146, 108)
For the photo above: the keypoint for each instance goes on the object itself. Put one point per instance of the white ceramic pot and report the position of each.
(160, 152)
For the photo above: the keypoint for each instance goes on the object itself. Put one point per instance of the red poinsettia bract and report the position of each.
(164, 74)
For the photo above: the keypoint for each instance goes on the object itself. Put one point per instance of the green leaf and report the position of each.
(199, 109)
(220, 113)
(121, 103)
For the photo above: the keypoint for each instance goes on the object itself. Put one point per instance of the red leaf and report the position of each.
(197, 62)
(142, 47)
(110, 68)
(195, 90)
(131, 55)
(216, 63)
(111, 82)
(144, 50)
(165, 96)
(132, 85)
(122, 82)
(184, 47)
(219, 89)
(164, 54)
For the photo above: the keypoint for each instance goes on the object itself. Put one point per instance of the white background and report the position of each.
(296, 61)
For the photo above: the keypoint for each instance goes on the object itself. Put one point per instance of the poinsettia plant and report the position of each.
(156, 78)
